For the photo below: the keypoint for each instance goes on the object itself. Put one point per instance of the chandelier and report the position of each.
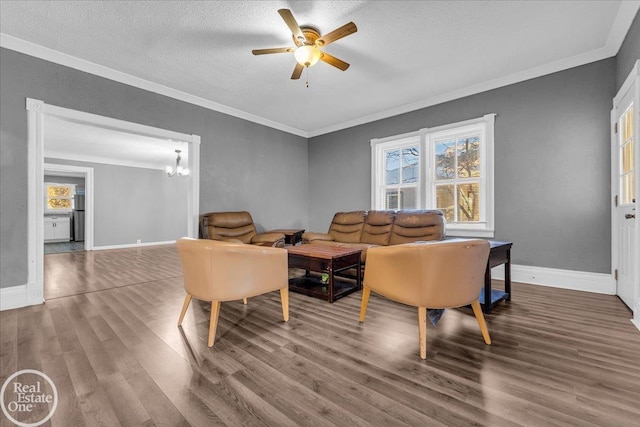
(179, 170)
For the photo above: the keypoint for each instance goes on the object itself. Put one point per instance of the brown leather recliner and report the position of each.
(433, 275)
(219, 271)
(237, 227)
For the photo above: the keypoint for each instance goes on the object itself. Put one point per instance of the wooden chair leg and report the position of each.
(244, 301)
(213, 322)
(284, 300)
(365, 301)
(187, 300)
(422, 328)
(477, 310)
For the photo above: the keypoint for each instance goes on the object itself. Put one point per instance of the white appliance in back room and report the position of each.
(78, 217)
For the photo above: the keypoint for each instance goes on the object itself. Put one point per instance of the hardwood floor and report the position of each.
(74, 273)
(117, 357)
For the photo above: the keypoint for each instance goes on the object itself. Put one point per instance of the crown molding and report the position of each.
(529, 74)
(616, 37)
(624, 19)
(41, 52)
(619, 30)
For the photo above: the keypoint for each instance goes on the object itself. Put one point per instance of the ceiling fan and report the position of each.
(308, 42)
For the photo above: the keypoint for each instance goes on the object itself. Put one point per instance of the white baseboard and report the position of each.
(133, 245)
(13, 297)
(566, 279)
(20, 296)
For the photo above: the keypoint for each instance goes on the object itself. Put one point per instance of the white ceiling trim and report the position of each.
(623, 21)
(621, 25)
(532, 73)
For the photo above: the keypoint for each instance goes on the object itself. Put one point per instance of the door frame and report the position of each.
(36, 112)
(87, 174)
(632, 79)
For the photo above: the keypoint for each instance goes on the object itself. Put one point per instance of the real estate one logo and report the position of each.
(28, 392)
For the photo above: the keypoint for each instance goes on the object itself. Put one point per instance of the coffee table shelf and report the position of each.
(313, 286)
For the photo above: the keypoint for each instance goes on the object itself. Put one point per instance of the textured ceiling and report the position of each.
(405, 55)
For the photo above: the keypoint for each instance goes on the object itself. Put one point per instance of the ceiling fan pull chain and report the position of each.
(307, 72)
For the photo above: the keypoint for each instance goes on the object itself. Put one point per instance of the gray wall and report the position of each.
(135, 203)
(244, 166)
(629, 52)
(552, 171)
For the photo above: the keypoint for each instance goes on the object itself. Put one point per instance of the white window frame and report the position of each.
(426, 197)
(398, 143)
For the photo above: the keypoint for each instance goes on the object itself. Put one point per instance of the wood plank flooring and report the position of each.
(74, 273)
(558, 358)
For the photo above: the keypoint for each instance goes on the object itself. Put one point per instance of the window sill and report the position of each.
(486, 234)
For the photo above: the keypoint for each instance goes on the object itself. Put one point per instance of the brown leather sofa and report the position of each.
(363, 230)
(236, 227)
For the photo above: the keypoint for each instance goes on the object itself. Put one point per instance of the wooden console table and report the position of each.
(500, 254)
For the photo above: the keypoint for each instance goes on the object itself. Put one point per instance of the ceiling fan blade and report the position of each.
(273, 50)
(332, 60)
(337, 34)
(293, 25)
(297, 72)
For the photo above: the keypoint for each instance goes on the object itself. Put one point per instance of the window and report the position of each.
(59, 197)
(401, 175)
(626, 168)
(449, 168)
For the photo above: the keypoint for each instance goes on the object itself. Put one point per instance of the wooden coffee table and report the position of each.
(324, 259)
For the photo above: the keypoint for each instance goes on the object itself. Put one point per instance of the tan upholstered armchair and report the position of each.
(237, 227)
(440, 274)
(221, 271)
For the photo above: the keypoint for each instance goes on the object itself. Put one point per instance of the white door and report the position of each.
(626, 115)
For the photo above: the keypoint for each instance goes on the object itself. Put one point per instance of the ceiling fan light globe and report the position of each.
(307, 55)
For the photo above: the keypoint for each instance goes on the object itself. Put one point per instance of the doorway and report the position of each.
(81, 217)
(37, 112)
